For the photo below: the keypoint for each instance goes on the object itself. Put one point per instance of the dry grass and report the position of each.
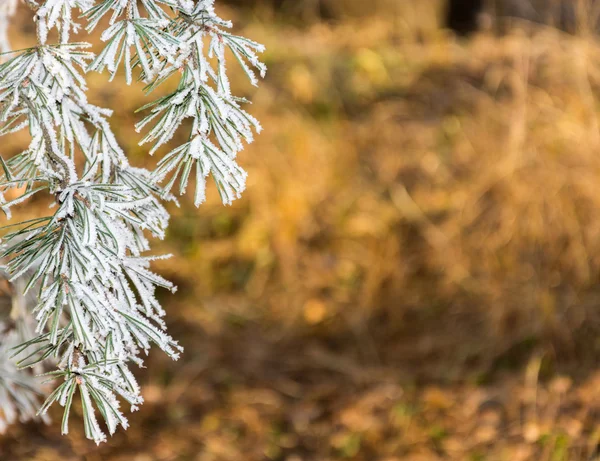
(413, 271)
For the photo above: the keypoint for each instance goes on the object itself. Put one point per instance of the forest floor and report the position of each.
(413, 272)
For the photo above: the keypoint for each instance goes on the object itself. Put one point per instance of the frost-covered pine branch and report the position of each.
(189, 46)
(95, 307)
(20, 391)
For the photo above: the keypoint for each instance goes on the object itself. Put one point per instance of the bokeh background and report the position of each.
(413, 272)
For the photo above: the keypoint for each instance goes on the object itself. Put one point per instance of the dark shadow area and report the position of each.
(461, 16)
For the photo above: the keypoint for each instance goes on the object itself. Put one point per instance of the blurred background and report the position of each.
(414, 270)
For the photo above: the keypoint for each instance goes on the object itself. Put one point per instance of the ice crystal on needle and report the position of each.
(85, 267)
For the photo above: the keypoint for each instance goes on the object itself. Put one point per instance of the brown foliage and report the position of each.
(413, 271)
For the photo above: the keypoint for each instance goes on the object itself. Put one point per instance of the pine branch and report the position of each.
(95, 307)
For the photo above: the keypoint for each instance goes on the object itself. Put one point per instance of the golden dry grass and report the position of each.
(413, 271)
